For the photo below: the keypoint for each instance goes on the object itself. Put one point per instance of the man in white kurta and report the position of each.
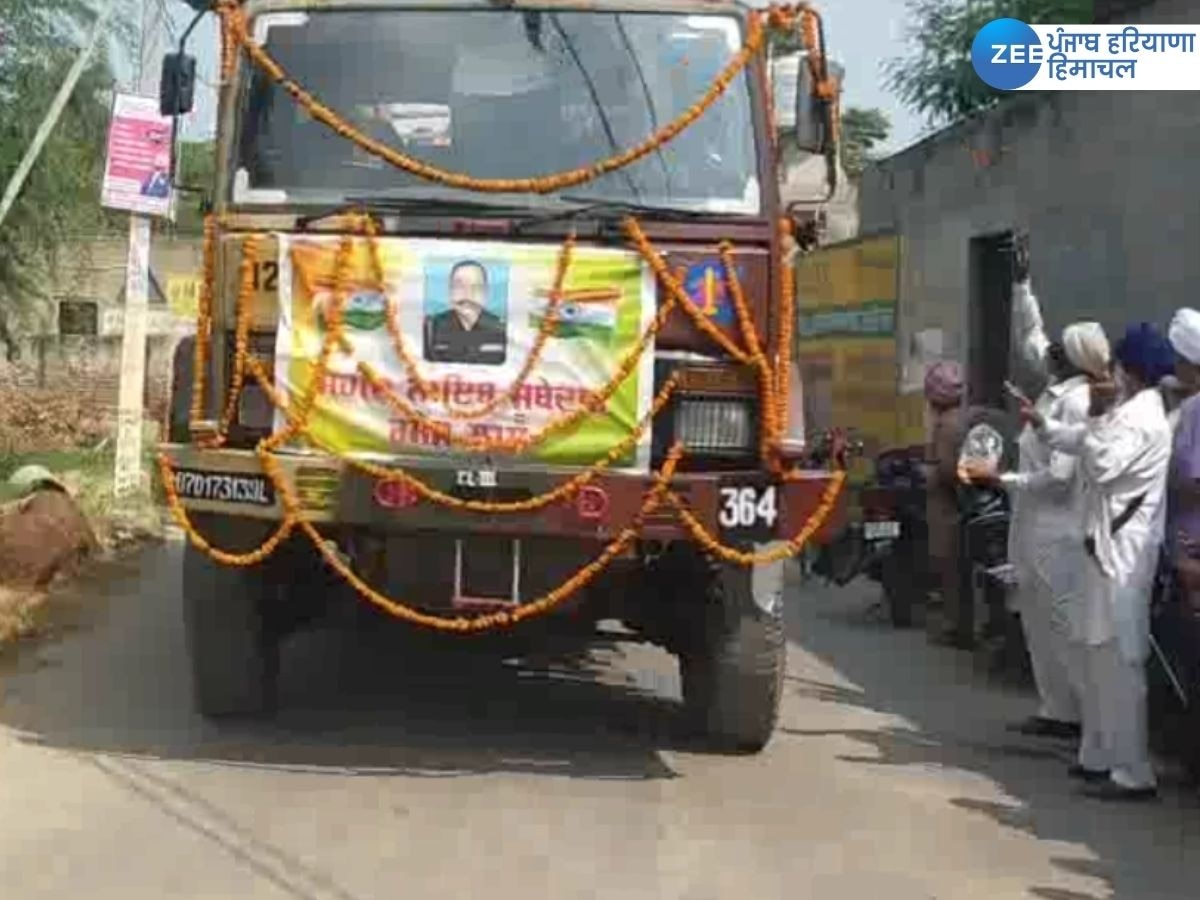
(1124, 451)
(1046, 533)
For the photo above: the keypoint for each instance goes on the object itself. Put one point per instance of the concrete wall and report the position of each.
(1105, 183)
(90, 366)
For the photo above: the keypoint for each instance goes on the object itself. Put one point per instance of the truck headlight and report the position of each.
(715, 426)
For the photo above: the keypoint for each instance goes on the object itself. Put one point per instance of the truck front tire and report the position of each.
(733, 665)
(233, 645)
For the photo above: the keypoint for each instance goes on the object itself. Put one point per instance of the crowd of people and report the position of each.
(1105, 500)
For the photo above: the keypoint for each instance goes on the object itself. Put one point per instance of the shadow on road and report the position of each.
(950, 717)
(378, 707)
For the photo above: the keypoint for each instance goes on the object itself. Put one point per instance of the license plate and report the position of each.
(877, 531)
(748, 509)
(493, 582)
(224, 487)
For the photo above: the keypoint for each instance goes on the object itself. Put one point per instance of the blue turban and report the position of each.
(1144, 351)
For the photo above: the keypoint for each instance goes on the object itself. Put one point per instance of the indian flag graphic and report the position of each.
(585, 314)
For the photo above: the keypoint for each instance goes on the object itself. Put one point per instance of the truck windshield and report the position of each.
(498, 94)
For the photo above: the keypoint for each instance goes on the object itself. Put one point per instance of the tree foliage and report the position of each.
(862, 131)
(936, 78)
(39, 41)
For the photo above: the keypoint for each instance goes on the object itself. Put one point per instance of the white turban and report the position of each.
(1184, 334)
(1086, 346)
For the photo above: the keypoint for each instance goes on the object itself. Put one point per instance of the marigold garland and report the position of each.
(203, 321)
(594, 404)
(545, 331)
(503, 618)
(562, 492)
(785, 550)
(766, 375)
(180, 514)
(243, 310)
(787, 315)
(675, 291)
(773, 378)
(777, 17)
(773, 411)
(334, 338)
(539, 185)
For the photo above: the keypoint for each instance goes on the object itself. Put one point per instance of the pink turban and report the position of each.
(944, 383)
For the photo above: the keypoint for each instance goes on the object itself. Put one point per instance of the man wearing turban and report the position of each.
(1184, 496)
(943, 395)
(1045, 544)
(1124, 451)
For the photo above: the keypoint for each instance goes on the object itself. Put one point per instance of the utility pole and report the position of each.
(17, 181)
(130, 405)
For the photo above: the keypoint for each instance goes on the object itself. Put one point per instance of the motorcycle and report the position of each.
(889, 544)
(896, 532)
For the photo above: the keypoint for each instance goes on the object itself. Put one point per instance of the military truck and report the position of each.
(498, 323)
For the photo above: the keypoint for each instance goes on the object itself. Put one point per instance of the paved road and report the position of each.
(387, 776)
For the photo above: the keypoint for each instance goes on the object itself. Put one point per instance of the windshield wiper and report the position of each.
(381, 204)
(610, 209)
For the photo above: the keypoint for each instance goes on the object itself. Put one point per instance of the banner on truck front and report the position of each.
(467, 315)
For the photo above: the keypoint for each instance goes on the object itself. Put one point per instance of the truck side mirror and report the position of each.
(177, 87)
(815, 128)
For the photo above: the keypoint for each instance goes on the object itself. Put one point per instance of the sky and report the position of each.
(861, 35)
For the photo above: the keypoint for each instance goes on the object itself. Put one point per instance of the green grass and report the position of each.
(95, 470)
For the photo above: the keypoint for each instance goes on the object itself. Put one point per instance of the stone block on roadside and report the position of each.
(42, 536)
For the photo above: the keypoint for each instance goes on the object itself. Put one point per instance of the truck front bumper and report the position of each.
(332, 492)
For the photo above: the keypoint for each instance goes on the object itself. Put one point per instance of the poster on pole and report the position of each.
(137, 168)
(464, 321)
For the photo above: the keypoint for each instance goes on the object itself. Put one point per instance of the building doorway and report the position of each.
(990, 316)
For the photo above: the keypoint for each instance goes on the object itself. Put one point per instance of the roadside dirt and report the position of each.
(47, 545)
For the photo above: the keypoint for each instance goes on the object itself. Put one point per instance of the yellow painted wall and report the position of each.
(847, 300)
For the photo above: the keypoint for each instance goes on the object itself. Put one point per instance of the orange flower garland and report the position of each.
(766, 375)
(780, 18)
(773, 374)
(564, 491)
(677, 293)
(545, 332)
(787, 316)
(505, 618)
(541, 185)
(241, 342)
(785, 550)
(204, 320)
(179, 513)
(298, 426)
(334, 338)
(594, 404)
